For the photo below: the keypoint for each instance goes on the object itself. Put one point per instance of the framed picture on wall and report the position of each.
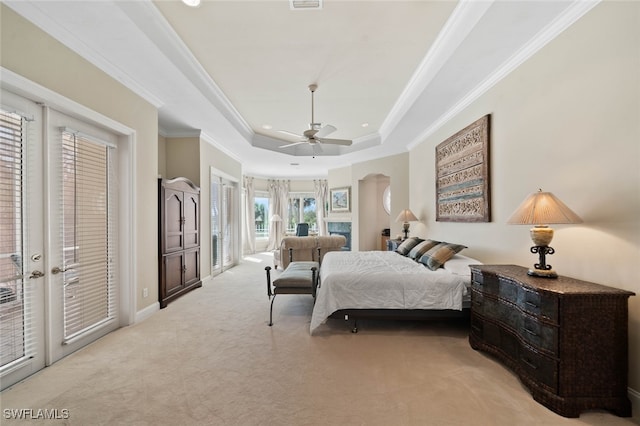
(340, 200)
(462, 175)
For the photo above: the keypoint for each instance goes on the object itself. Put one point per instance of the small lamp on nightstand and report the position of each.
(540, 209)
(405, 217)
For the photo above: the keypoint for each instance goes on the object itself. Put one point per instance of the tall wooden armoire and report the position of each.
(178, 238)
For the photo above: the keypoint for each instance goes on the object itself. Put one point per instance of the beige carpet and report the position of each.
(209, 358)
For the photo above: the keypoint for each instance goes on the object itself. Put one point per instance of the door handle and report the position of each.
(36, 274)
(57, 270)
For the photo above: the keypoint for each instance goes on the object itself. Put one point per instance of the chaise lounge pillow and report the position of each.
(405, 247)
(438, 255)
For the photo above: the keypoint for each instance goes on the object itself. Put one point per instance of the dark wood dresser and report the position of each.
(566, 339)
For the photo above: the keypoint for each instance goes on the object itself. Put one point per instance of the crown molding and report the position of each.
(463, 19)
(51, 27)
(146, 16)
(573, 12)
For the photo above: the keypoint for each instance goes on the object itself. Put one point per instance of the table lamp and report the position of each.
(540, 209)
(405, 216)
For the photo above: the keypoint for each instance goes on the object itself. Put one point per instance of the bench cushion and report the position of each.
(297, 274)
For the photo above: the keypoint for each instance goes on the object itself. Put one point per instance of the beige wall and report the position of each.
(183, 158)
(29, 52)
(396, 167)
(567, 121)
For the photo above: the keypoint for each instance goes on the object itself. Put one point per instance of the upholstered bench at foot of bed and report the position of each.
(297, 278)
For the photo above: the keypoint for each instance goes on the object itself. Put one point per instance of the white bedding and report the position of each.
(384, 280)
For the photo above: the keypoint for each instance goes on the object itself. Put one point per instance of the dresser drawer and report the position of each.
(538, 304)
(542, 369)
(539, 335)
(485, 283)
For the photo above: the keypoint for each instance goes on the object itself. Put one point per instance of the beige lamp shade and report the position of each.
(542, 208)
(406, 215)
(276, 218)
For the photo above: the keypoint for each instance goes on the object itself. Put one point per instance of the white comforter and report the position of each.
(383, 280)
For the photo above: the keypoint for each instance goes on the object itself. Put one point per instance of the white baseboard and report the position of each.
(147, 312)
(206, 279)
(634, 396)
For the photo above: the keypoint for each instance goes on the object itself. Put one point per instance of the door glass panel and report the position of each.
(14, 314)
(86, 235)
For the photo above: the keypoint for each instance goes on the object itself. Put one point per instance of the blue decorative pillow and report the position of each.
(405, 247)
(438, 255)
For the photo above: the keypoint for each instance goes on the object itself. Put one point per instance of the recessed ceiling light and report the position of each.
(191, 3)
(365, 124)
(267, 126)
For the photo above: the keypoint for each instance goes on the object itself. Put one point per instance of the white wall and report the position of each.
(566, 121)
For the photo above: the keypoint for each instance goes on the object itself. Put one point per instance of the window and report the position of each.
(302, 208)
(261, 203)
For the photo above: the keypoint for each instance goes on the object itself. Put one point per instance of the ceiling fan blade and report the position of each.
(295, 135)
(325, 131)
(292, 144)
(317, 149)
(344, 142)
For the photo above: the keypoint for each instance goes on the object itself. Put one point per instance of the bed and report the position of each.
(387, 284)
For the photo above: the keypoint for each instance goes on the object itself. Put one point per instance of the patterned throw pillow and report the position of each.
(405, 247)
(438, 255)
(423, 247)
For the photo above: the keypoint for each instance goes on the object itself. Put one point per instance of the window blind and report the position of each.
(87, 234)
(16, 298)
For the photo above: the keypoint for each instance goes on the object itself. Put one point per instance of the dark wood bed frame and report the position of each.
(401, 314)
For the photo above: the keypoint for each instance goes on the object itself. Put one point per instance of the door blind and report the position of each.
(16, 341)
(87, 206)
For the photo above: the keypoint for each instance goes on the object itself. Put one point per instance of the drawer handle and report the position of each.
(531, 304)
(531, 332)
(529, 363)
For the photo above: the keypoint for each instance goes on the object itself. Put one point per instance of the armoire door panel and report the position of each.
(173, 221)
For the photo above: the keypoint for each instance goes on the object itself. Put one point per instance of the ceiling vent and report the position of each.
(305, 4)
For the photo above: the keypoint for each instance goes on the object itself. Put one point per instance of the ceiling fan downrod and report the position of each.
(313, 125)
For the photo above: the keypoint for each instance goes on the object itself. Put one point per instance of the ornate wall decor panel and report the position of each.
(462, 175)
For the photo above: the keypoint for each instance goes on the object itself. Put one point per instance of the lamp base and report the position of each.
(544, 273)
(405, 229)
(542, 269)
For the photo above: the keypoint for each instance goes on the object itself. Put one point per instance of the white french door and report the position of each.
(22, 263)
(58, 238)
(224, 223)
(82, 261)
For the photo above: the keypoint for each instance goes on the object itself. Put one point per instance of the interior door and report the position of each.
(22, 277)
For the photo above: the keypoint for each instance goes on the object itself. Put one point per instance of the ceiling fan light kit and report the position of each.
(316, 133)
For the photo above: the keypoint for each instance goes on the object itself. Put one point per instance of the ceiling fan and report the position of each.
(316, 132)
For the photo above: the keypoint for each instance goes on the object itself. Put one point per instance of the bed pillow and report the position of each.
(438, 255)
(459, 265)
(405, 247)
(421, 248)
